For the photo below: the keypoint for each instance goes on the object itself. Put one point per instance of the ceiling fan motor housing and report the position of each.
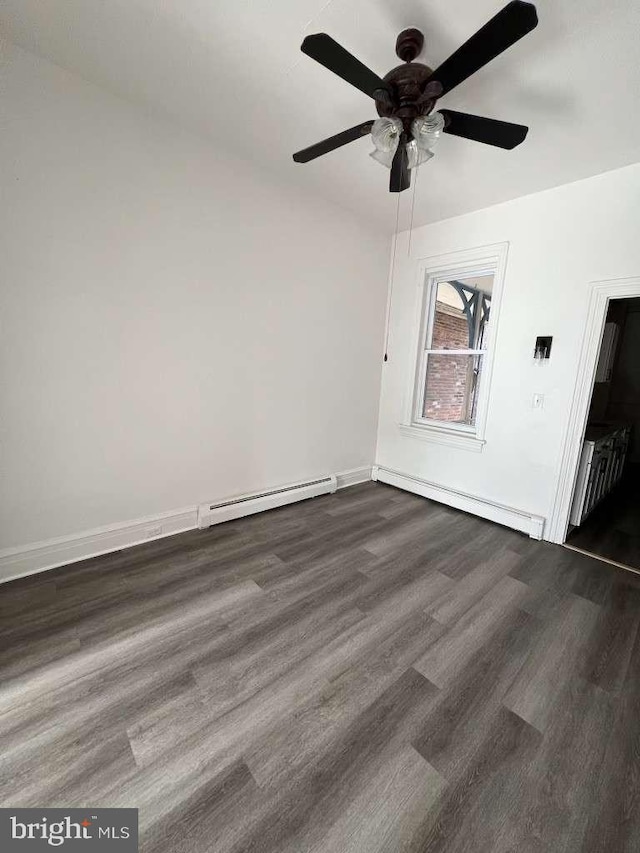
(407, 82)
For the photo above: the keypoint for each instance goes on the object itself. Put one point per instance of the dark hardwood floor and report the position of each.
(613, 528)
(362, 672)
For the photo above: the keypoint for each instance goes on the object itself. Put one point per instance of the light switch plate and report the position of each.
(538, 401)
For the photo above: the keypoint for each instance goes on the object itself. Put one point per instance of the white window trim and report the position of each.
(485, 260)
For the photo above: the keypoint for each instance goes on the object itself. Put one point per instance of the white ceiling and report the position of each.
(232, 70)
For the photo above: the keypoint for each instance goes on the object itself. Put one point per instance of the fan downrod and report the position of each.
(409, 44)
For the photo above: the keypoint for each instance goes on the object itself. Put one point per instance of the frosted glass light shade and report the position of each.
(427, 130)
(384, 157)
(417, 156)
(385, 134)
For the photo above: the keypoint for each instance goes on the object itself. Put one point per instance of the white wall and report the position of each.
(559, 241)
(175, 327)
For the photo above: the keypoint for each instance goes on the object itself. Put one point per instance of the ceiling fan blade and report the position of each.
(400, 178)
(333, 142)
(333, 56)
(502, 134)
(504, 29)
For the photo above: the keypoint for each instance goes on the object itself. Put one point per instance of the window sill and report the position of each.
(453, 438)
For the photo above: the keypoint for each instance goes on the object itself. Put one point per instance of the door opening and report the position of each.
(603, 436)
(605, 510)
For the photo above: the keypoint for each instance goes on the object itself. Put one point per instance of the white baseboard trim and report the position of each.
(353, 477)
(51, 553)
(526, 522)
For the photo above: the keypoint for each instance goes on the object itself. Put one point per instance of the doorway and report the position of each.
(597, 509)
(605, 510)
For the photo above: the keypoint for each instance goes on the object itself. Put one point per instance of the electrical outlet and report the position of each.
(152, 532)
(538, 401)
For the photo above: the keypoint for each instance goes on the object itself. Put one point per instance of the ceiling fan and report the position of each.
(406, 132)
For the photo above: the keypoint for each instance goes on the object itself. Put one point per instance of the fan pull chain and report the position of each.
(413, 205)
(393, 275)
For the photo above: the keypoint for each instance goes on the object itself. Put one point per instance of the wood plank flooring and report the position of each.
(363, 672)
(613, 529)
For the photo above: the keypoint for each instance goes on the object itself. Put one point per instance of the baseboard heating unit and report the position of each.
(508, 516)
(216, 513)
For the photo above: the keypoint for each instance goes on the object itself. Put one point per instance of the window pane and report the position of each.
(461, 313)
(451, 387)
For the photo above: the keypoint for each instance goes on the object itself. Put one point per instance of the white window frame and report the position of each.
(484, 260)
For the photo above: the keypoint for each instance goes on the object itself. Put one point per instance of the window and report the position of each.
(458, 312)
(458, 309)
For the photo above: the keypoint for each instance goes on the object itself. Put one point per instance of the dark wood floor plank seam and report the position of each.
(366, 672)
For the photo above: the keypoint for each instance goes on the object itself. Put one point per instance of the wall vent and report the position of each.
(216, 513)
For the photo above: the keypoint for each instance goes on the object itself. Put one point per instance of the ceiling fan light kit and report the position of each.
(385, 135)
(425, 132)
(408, 129)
